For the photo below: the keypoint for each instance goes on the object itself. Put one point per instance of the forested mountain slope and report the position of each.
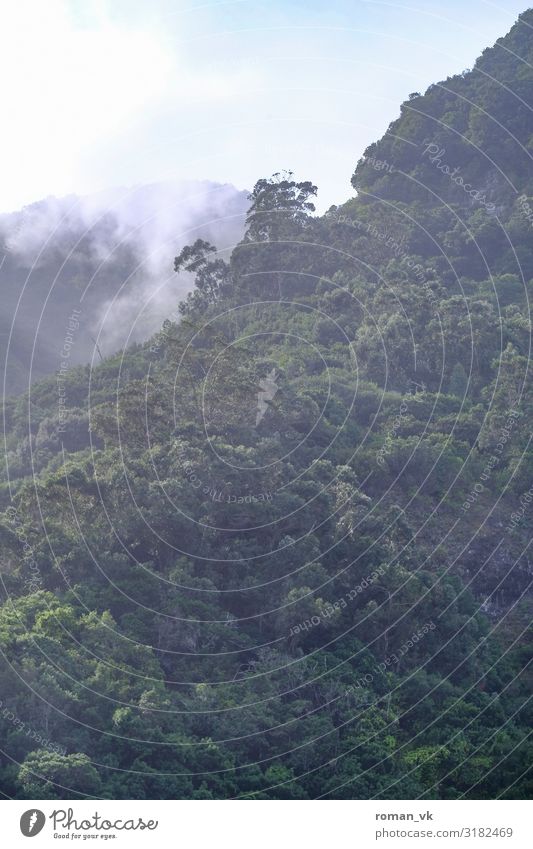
(281, 550)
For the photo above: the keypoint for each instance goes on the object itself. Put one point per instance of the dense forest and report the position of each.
(105, 255)
(280, 551)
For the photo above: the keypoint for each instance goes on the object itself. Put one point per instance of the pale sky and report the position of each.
(104, 93)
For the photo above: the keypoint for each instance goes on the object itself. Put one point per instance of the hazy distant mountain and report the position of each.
(109, 255)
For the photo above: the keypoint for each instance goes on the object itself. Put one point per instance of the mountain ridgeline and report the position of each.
(280, 551)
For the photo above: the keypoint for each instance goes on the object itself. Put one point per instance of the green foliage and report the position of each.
(266, 559)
